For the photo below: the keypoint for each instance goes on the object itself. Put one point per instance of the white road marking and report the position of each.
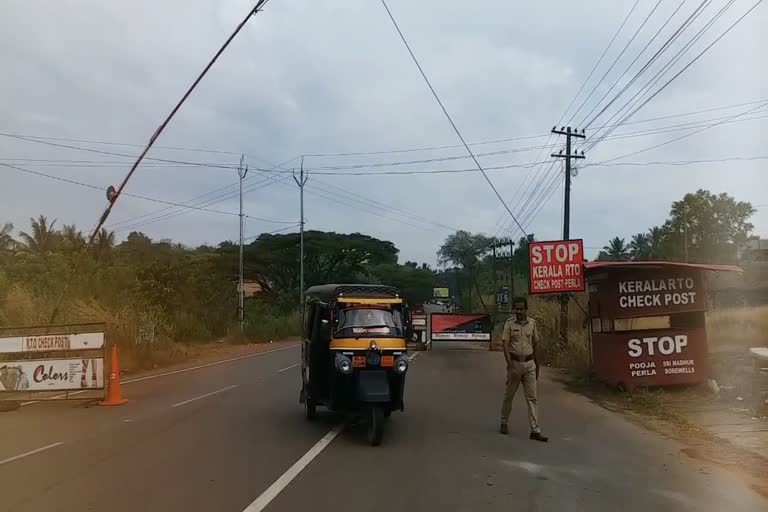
(413, 356)
(174, 372)
(286, 478)
(288, 367)
(148, 377)
(205, 395)
(31, 452)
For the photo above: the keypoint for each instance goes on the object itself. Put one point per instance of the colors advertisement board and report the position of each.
(52, 374)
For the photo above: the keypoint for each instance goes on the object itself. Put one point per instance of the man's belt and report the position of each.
(522, 359)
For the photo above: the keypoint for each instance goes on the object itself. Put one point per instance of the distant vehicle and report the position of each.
(354, 352)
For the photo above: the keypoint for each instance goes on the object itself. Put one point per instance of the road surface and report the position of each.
(232, 437)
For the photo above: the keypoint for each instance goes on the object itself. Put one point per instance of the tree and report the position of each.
(640, 247)
(103, 244)
(272, 261)
(72, 239)
(415, 283)
(464, 249)
(656, 239)
(7, 242)
(708, 227)
(43, 240)
(616, 250)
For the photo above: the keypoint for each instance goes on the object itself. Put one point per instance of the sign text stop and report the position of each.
(556, 267)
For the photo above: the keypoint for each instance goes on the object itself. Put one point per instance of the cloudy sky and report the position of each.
(331, 76)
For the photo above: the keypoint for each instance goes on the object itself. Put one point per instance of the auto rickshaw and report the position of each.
(354, 352)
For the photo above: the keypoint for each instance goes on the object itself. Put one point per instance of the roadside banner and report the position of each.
(52, 374)
(460, 327)
(52, 342)
(556, 267)
(38, 362)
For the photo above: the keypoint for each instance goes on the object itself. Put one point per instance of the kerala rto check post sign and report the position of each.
(556, 267)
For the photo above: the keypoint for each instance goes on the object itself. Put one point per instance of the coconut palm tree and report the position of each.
(72, 239)
(7, 243)
(656, 238)
(43, 240)
(6, 240)
(617, 250)
(640, 246)
(103, 244)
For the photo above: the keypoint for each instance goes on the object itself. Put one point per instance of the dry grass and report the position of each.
(575, 353)
(735, 329)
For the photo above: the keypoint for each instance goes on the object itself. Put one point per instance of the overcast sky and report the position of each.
(333, 77)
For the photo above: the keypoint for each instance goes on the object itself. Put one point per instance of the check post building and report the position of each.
(647, 322)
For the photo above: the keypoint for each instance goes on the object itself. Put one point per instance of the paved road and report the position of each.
(228, 437)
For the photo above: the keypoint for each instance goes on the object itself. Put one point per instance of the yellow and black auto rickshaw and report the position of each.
(354, 352)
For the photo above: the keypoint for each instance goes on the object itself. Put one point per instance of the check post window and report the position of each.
(369, 322)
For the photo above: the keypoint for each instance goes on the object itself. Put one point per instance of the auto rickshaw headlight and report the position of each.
(343, 364)
(401, 365)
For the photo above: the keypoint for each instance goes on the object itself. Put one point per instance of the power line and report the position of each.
(220, 198)
(637, 57)
(687, 66)
(136, 196)
(666, 67)
(116, 192)
(616, 60)
(450, 120)
(681, 137)
(271, 232)
(525, 181)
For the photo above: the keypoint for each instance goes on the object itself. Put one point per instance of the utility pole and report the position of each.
(569, 134)
(685, 230)
(511, 271)
(242, 171)
(495, 289)
(301, 181)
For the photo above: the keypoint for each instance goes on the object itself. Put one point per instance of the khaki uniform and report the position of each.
(518, 341)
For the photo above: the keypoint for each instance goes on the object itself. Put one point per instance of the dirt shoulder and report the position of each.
(712, 429)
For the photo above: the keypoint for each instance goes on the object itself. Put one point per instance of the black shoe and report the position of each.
(503, 429)
(536, 436)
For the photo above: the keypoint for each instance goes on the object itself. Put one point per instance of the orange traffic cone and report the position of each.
(113, 386)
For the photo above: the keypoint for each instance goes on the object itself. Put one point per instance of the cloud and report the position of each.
(333, 77)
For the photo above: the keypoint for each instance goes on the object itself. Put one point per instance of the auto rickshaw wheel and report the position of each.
(310, 409)
(376, 426)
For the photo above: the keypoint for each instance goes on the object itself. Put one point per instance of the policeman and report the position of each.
(519, 339)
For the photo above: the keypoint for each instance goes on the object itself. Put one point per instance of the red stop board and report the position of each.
(556, 267)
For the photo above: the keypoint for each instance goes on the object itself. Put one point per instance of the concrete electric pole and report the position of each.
(569, 156)
(242, 171)
(301, 181)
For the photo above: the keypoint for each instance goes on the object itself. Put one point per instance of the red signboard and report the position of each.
(458, 327)
(556, 267)
(639, 293)
(651, 358)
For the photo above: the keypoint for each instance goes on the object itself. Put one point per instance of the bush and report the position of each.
(575, 353)
(265, 325)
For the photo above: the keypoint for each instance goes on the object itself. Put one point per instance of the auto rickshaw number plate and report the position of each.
(358, 361)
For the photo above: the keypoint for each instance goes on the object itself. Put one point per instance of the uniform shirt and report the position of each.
(519, 338)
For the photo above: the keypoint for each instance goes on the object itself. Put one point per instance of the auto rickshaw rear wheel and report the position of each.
(376, 426)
